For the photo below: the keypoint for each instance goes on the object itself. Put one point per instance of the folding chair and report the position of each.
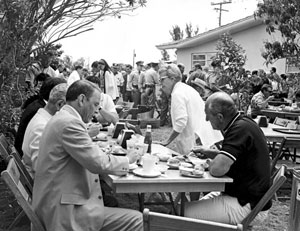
(12, 177)
(158, 221)
(278, 181)
(287, 143)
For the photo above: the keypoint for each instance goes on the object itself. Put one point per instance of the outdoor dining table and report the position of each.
(274, 112)
(170, 181)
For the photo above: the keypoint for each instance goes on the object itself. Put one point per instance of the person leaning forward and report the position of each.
(66, 192)
(244, 156)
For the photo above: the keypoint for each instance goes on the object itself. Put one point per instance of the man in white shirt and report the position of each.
(107, 111)
(187, 112)
(35, 128)
(75, 75)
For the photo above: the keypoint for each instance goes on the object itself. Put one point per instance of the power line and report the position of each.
(220, 9)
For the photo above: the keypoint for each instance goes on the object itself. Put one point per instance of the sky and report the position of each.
(115, 40)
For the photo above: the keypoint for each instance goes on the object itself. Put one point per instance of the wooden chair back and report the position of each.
(160, 222)
(25, 176)
(278, 181)
(11, 177)
(5, 149)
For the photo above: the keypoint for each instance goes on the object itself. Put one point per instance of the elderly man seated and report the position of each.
(260, 100)
(244, 156)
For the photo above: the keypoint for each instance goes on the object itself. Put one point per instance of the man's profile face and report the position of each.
(267, 92)
(212, 118)
(91, 106)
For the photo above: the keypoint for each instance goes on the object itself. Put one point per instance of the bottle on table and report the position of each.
(148, 138)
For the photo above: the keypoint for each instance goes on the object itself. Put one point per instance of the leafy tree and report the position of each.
(165, 55)
(231, 58)
(189, 31)
(31, 28)
(282, 16)
(176, 33)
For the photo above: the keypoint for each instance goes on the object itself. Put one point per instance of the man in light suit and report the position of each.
(67, 194)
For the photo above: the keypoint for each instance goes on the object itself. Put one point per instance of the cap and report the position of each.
(139, 63)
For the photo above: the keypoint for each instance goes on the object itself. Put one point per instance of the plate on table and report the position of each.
(190, 174)
(173, 163)
(100, 137)
(142, 173)
(287, 130)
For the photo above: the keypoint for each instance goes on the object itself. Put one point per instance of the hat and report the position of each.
(199, 82)
(139, 63)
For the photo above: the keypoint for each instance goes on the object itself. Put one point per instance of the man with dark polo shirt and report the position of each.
(243, 156)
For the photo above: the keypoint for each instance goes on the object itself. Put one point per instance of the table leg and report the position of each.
(182, 194)
(141, 197)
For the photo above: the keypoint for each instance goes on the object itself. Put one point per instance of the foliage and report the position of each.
(189, 31)
(165, 55)
(231, 58)
(282, 16)
(176, 33)
(30, 29)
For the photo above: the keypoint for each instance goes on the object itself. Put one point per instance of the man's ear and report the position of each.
(59, 104)
(81, 99)
(220, 116)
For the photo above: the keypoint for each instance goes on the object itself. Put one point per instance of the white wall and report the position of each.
(251, 41)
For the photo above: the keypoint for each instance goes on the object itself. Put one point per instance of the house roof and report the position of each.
(213, 34)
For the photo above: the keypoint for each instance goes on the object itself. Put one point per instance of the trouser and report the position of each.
(127, 96)
(117, 219)
(136, 97)
(148, 98)
(164, 109)
(219, 207)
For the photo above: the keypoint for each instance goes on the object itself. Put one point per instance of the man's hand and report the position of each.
(132, 156)
(270, 98)
(94, 129)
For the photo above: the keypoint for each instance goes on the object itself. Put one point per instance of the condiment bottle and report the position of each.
(148, 138)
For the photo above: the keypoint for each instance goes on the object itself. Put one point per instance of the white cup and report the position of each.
(110, 130)
(148, 162)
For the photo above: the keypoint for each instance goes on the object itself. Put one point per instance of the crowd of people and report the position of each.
(55, 141)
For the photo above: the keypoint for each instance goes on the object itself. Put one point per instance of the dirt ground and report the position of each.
(276, 221)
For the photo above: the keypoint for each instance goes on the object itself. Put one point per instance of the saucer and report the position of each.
(142, 173)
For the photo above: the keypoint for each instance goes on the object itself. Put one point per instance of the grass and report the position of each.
(276, 221)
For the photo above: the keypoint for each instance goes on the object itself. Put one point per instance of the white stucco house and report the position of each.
(248, 32)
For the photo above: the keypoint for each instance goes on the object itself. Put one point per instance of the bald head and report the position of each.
(221, 102)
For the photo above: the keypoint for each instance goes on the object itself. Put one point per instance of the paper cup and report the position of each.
(148, 163)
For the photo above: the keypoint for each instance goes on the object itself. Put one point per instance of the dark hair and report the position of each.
(265, 87)
(78, 67)
(283, 76)
(41, 78)
(197, 65)
(93, 79)
(48, 85)
(106, 66)
(297, 95)
(81, 87)
(273, 69)
(95, 64)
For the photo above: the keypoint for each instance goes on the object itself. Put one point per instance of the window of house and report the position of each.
(204, 59)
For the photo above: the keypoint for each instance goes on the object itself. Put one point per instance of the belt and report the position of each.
(149, 85)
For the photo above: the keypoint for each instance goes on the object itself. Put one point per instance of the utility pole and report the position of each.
(220, 9)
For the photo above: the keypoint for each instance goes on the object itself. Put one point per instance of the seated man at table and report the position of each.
(260, 100)
(244, 156)
(107, 111)
(66, 192)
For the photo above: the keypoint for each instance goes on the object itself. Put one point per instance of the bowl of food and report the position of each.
(162, 156)
(173, 163)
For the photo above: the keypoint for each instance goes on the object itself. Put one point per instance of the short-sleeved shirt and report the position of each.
(245, 143)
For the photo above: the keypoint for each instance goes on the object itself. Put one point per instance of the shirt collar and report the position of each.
(231, 122)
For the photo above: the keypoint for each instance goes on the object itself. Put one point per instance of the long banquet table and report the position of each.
(170, 181)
